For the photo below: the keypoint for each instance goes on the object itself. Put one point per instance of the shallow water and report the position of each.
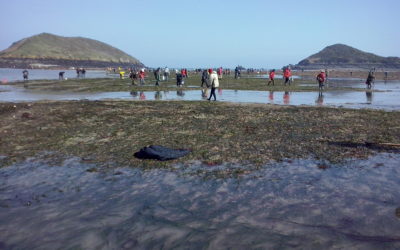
(13, 75)
(388, 99)
(298, 203)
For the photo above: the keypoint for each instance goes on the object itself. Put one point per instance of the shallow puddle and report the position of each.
(13, 75)
(298, 203)
(386, 100)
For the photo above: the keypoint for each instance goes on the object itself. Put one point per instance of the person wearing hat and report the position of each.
(213, 82)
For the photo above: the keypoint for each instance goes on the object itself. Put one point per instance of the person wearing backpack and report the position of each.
(321, 79)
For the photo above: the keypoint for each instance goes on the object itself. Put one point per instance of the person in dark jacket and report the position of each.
(179, 79)
(204, 78)
(370, 79)
(61, 75)
(25, 74)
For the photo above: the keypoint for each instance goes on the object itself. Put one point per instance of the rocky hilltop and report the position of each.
(343, 56)
(48, 50)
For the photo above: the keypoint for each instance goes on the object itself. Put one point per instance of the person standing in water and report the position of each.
(321, 80)
(370, 79)
(25, 74)
(61, 75)
(213, 83)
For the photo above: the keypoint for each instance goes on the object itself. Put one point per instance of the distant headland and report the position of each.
(51, 51)
(340, 56)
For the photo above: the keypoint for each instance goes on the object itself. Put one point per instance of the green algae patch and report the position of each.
(112, 131)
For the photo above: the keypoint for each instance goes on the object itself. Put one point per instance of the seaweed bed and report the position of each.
(110, 132)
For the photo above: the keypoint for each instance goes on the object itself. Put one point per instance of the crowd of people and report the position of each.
(209, 78)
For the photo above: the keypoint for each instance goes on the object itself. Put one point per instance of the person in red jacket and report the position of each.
(271, 77)
(142, 74)
(321, 79)
(287, 74)
(219, 73)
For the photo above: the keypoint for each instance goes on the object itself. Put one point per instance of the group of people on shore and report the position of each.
(287, 76)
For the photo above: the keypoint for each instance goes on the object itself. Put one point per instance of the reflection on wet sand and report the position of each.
(204, 93)
(320, 99)
(142, 96)
(286, 98)
(386, 98)
(368, 93)
(307, 204)
(271, 96)
(157, 95)
(180, 92)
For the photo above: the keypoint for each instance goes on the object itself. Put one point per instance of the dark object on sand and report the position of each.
(160, 153)
(371, 145)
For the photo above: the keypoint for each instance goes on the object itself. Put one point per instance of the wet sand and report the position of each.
(297, 203)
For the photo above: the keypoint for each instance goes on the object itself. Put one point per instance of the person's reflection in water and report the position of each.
(368, 93)
(180, 93)
(286, 98)
(204, 93)
(134, 94)
(219, 91)
(157, 95)
(320, 99)
(142, 96)
(271, 96)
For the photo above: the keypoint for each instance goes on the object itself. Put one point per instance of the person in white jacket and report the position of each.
(213, 83)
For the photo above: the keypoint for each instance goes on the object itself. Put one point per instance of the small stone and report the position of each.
(397, 212)
(27, 115)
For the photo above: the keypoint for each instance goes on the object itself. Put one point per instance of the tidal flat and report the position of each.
(111, 131)
(258, 176)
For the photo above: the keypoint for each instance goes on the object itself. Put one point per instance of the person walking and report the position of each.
(204, 78)
(166, 73)
(286, 75)
(141, 77)
(157, 76)
(272, 77)
(213, 83)
(133, 76)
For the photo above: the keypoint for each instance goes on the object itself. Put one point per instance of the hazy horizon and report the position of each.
(193, 34)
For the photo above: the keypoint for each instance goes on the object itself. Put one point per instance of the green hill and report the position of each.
(65, 51)
(343, 56)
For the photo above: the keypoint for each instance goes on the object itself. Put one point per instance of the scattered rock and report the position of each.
(160, 153)
(322, 166)
(92, 170)
(397, 212)
(27, 115)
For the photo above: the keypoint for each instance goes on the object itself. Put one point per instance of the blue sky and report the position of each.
(205, 33)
